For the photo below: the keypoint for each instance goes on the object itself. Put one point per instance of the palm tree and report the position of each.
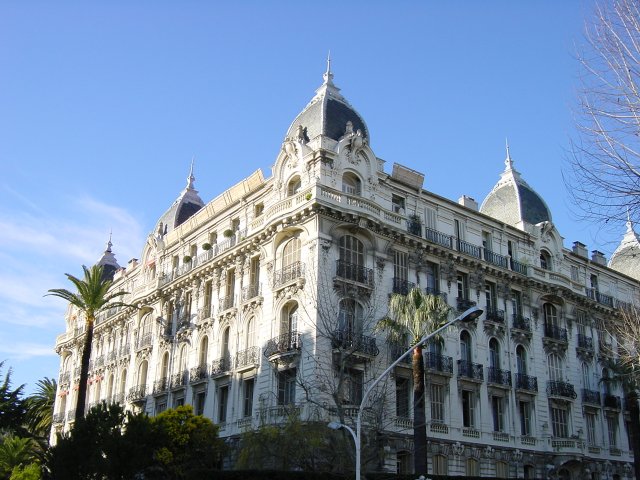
(15, 452)
(92, 297)
(40, 407)
(410, 318)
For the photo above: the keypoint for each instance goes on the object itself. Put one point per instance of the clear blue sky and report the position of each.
(103, 105)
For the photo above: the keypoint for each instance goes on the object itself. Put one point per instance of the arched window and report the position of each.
(350, 317)
(606, 382)
(351, 184)
(110, 389)
(182, 362)
(164, 370)
(291, 253)
(545, 260)
(465, 346)
(142, 373)
(294, 187)
(289, 319)
(146, 325)
(586, 376)
(224, 346)
(123, 381)
(555, 368)
(250, 338)
(551, 322)
(521, 360)
(352, 260)
(204, 351)
(494, 353)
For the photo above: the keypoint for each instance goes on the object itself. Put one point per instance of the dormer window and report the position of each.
(545, 260)
(295, 185)
(351, 184)
(397, 204)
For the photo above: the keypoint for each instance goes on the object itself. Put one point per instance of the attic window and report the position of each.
(351, 184)
(258, 209)
(397, 204)
(545, 260)
(295, 185)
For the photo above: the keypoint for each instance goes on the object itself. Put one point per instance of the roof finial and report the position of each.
(328, 75)
(109, 244)
(191, 178)
(508, 162)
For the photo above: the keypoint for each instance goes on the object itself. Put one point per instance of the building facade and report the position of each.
(262, 303)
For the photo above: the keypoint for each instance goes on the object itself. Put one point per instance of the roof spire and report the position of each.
(191, 178)
(328, 75)
(109, 244)
(508, 162)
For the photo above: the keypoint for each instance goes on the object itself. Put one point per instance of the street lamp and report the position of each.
(466, 316)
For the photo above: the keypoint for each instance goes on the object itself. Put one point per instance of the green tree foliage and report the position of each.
(12, 408)
(190, 443)
(92, 296)
(28, 472)
(15, 452)
(39, 408)
(297, 445)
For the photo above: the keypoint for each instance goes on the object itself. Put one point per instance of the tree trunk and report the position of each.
(634, 414)
(84, 369)
(419, 423)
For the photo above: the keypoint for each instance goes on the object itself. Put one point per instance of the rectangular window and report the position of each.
(468, 409)
(458, 231)
(487, 242)
(575, 275)
(590, 420)
(490, 296)
(430, 218)
(198, 402)
(472, 467)
(516, 302)
(463, 286)
(208, 290)
(437, 403)
(223, 400)
(559, 422)
(229, 290)
(612, 427)
(400, 273)
(287, 387)
(397, 204)
(402, 396)
(247, 406)
(178, 402)
(497, 410)
(254, 273)
(525, 418)
(353, 387)
(440, 465)
(161, 406)
(502, 470)
(258, 209)
(433, 286)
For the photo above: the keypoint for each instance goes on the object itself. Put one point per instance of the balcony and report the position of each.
(179, 380)
(226, 303)
(495, 315)
(402, 286)
(248, 358)
(561, 389)
(221, 366)
(518, 267)
(463, 304)
(198, 374)
(521, 323)
(612, 401)
(58, 418)
(436, 292)
(526, 383)
(144, 341)
(354, 273)
(496, 259)
(64, 378)
(251, 291)
(437, 363)
(601, 298)
(468, 248)
(137, 393)
(556, 333)
(396, 350)
(160, 386)
(438, 238)
(354, 342)
(470, 371)
(414, 227)
(285, 344)
(288, 274)
(584, 342)
(125, 350)
(499, 377)
(591, 396)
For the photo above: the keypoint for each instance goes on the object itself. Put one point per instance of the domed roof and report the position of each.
(626, 258)
(513, 201)
(109, 263)
(187, 203)
(327, 114)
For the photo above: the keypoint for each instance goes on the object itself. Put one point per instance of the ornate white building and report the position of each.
(262, 302)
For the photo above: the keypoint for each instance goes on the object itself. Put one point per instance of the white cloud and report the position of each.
(25, 350)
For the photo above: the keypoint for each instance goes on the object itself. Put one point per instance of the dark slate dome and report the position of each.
(626, 258)
(185, 206)
(327, 114)
(513, 201)
(109, 263)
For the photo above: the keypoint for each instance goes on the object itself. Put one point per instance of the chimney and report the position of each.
(580, 249)
(598, 257)
(467, 201)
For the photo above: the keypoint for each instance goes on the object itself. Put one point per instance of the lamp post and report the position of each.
(468, 315)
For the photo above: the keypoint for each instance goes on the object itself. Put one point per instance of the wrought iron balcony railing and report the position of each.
(590, 396)
(284, 343)
(144, 340)
(248, 357)
(58, 418)
(468, 248)
(463, 304)
(198, 373)
(435, 291)
(438, 238)
(64, 377)
(521, 323)
(555, 332)
(496, 259)
(125, 350)
(585, 342)
(226, 303)
(288, 274)
(251, 291)
(601, 298)
(349, 340)
(498, 376)
(354, 272)
(438, 363)
(161, 385)
(221, 365)
(137, 393)
(518, 267)
(557, 388)
(414, 227)
(470, 370)
(612, 401)
(179, 379)
(395, 350)
(526, 382)
(402, 286)
(495, 315)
